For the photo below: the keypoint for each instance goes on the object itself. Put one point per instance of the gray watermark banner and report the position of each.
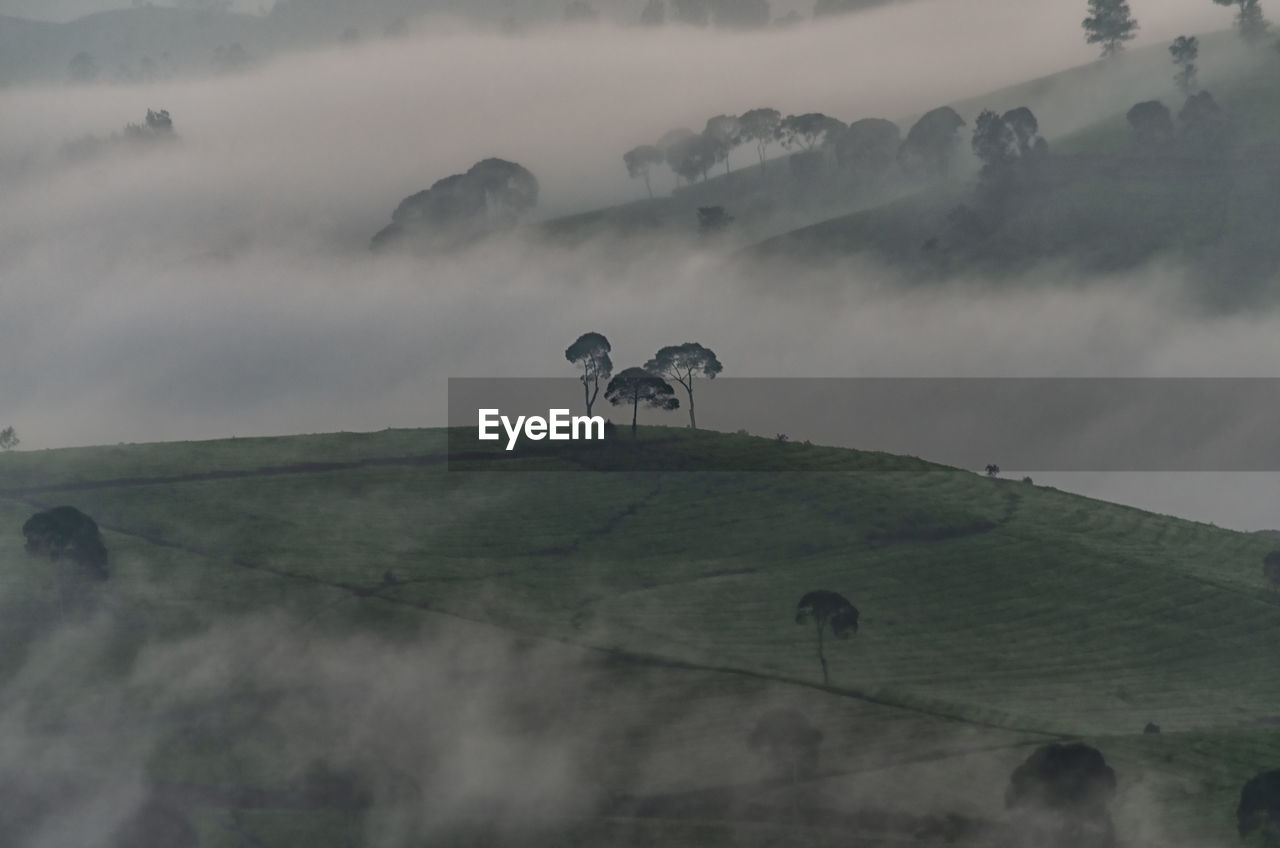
(1040, 424)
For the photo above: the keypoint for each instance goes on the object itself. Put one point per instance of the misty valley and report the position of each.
(427, 423)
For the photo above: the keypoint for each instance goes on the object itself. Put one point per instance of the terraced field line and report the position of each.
(619, 654)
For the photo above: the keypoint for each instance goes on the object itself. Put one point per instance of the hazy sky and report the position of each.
(223, 287)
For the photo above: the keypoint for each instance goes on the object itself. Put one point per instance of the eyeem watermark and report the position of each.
(558, 426)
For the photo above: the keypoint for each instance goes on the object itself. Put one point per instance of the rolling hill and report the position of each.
(996, 615)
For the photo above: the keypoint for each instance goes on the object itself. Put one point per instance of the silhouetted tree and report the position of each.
(654, 13)
(1061, 795)
(809, 130)
(672, 144)
(760, 126)
(683, 364)
(492, 196)
(637, 386)
(1205, 127)
(8, 439)
(1271, 569)
(1010, 147)
(65, 531)
(723, 133)
(1259, 807)
(692, 157)
(1250, 22)
(869, 146)
(1152, 123)
(931, 142)
(1111, 24)
(993, 471)
(639, 160)
(591, 353)
(82, 68)
(712, 219)
(230, 58)
(827, 609)
(1185, 51)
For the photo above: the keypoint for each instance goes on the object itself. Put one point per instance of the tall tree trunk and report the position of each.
(648, 187)
(635, 412)
(586, 395)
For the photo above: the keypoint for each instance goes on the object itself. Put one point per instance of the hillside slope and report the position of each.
(995, 615)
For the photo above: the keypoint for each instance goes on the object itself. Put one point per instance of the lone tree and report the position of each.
(931, 143)
(1271, 569)
(591, 353)
(1152, 123)
(65, 531)
(1185, 50)
(868, 147)
(827, 609)
(1259, 808)
(681, 364)
(1060, 796)
(1250, 23)
(1111, 24)
(637, 386)
(993, 471)
(639, 160)
(8, 439)
(760, 126)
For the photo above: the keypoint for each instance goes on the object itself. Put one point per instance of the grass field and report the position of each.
(995, 615)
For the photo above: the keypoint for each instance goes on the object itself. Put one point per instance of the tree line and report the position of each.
(648, 386)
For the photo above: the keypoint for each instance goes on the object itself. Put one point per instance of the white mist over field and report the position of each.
(224, 287)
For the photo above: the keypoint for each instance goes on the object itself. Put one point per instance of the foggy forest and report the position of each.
(262, 260)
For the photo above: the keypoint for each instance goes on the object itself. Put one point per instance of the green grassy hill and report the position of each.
(996, 615)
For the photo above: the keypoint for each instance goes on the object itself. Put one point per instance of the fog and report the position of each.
(224, 287)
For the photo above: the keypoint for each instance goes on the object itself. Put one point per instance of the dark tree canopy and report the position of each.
(869, 147)
(1185, 51)
(639, 160)
(692, 157)
(723, 134)
(492, 196)
(682, 364)
(1110, 24)
(8, 439)
(65, 531)
(591, 353)
(827, 609)
(931, 142)
(1250, 23)
(1205, 127)
(788, 741)
(761, 127)
(637, 387)
(1152, 123)
(1066, 789)
(809, 130)
(1259, 807)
